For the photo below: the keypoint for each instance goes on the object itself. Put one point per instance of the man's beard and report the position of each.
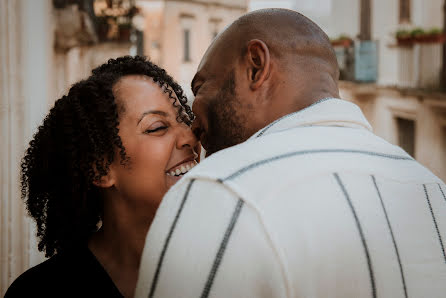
(225, 118)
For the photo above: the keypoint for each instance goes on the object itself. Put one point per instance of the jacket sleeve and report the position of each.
(206, 241)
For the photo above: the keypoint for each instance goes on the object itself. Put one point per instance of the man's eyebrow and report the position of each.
(156, 112)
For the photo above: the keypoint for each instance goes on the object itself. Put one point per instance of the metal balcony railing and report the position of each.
(420, 66)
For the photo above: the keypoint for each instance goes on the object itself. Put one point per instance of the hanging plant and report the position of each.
(435, 35)
(419, 35)
(114, 21)
(342, 41)
(404, 38)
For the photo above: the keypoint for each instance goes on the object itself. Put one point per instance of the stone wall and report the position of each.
(383, 106)
(32, 76)
(25, 80)
(164, 32)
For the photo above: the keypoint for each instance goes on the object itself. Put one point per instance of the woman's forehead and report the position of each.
(128, 82)
(136, 92)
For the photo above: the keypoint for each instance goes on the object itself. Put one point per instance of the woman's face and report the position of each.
(160, 148)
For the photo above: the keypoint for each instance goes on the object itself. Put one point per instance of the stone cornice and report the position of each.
(214, 3)
(372, 88)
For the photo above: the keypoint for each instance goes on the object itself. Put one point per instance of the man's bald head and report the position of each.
(266, 64)
(291, 37)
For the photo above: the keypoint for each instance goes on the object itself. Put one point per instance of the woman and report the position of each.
(104, 157)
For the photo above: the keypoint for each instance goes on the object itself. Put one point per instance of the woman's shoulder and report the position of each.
(37, 279)
(75, 273)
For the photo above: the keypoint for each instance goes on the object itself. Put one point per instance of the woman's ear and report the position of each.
(105, 181)
(258, 58)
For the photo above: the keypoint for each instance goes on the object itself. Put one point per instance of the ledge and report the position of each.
(216, 3)
(373, 88)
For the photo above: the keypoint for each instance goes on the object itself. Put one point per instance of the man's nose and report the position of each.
(196, 128)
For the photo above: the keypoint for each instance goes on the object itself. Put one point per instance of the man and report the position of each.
(307, 201)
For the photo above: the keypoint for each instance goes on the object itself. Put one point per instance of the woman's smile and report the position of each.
(160, 148)
(182, 167)
(175, 173)
(114, 144)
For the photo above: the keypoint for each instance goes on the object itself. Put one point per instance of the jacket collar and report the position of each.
(325, 112)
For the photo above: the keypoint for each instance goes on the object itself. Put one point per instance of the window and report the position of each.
(214, 26)
(406, 135)
(404, 11)
(187, 22)
(442, 173)
(186, 43)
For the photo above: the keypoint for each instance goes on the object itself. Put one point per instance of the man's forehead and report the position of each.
(205, 68)
(203, 61)
(209, 58)
(216, 58)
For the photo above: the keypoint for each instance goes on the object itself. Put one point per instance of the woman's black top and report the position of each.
(70, 274)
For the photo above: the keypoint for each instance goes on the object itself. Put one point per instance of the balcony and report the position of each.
(420, 66)
(358, 60)
(419, 58)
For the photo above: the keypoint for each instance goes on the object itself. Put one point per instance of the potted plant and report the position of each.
(418, 34)
(342, 41)
(114, 23)
(404, 38)
(434, 35)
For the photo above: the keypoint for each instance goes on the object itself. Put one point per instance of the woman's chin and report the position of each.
(171, 180)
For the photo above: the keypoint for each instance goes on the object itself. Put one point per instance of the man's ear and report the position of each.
(258, 58)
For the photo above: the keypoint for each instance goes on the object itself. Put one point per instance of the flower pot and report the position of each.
(434, 38)
(346, 43)
(431, 38)
(405, 41)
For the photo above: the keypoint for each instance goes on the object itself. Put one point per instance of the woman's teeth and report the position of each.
(183, 169)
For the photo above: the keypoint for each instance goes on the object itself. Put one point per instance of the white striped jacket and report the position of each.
(313, 205)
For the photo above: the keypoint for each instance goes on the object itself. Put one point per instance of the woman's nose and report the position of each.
(185, 137)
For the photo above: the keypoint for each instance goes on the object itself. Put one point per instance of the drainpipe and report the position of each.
(443, 71)
(366, 24)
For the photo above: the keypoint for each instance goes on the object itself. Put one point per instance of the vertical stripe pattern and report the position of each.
(308, 152)
(393, 237)
(221, 250)
(435, 222)
(290, 115)
(361, 234)
(167, 241)
(442, 193)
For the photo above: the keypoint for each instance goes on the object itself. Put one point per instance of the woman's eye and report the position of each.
(156, 129)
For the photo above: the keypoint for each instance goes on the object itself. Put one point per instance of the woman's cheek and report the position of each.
(157, 154)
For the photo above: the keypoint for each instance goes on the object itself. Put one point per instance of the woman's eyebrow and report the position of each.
(156, 112)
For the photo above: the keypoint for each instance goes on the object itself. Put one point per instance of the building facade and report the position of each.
(403, 103)
(178, 32)
(47, 45)
(36, 69)
(39, 61)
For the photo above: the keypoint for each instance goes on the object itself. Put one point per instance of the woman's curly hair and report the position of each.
(75, 146)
